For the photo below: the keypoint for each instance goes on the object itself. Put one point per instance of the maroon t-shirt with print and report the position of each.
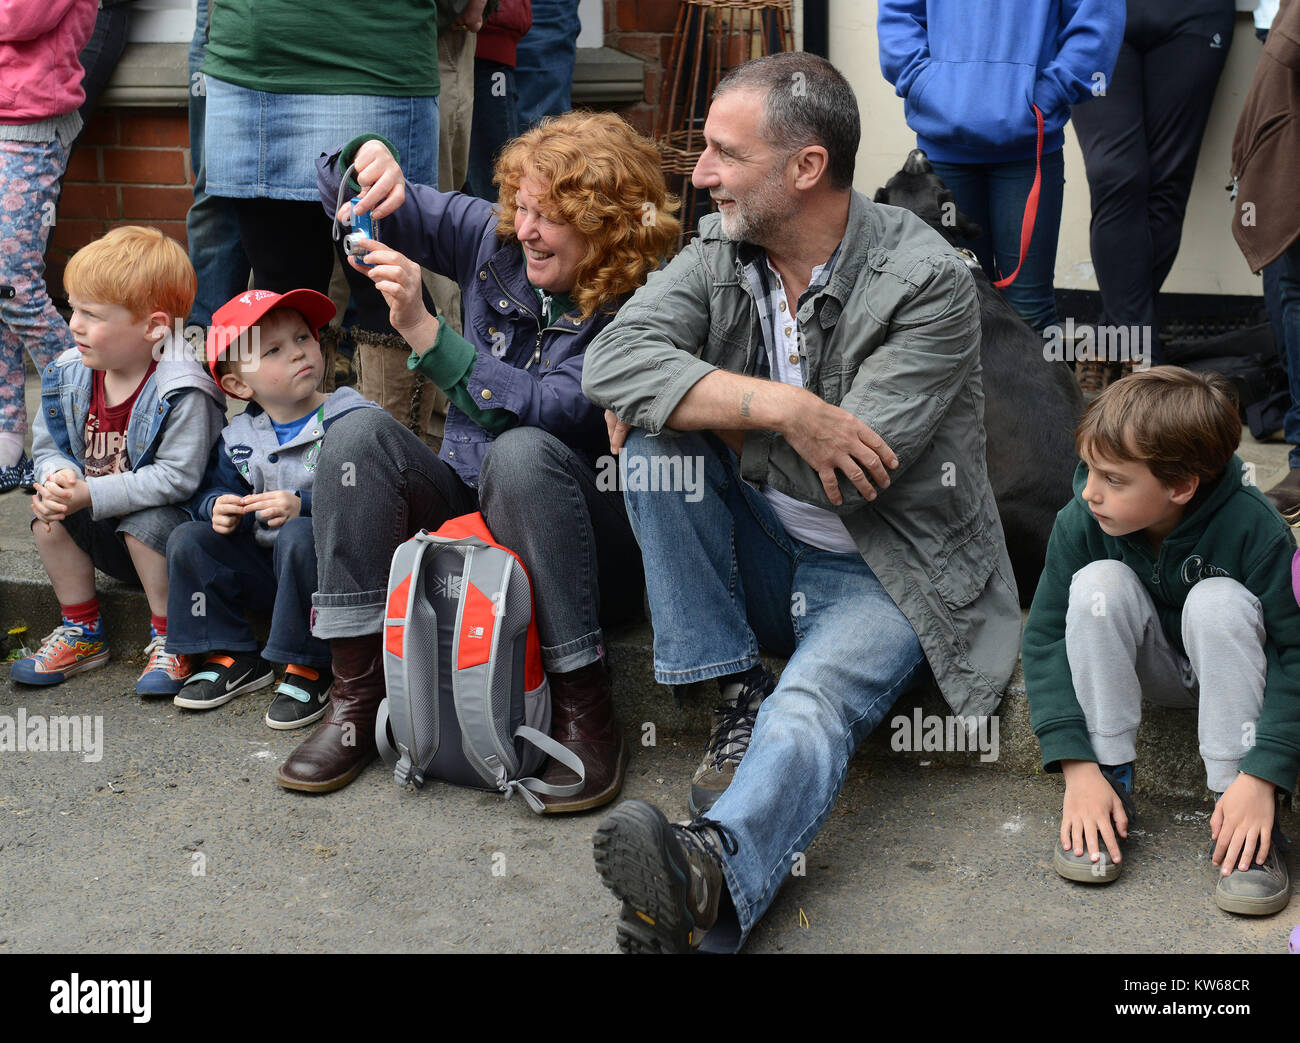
(106, 429)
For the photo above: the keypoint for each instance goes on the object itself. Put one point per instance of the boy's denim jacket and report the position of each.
(168, 438)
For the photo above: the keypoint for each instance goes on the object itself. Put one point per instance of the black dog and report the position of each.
(1031, 404)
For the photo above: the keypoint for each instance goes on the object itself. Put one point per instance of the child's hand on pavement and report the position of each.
(227, 513)
(275, 507)
(1090, 806)
(1242, 821)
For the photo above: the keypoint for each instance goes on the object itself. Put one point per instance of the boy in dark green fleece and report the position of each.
(1169, 576)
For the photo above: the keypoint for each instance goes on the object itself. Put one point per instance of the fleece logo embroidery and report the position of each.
(255, 295)
(1196, 568)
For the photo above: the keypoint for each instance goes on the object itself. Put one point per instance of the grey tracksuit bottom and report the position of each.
(1118, 653)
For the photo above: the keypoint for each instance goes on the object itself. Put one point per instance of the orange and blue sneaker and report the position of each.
(164, 673)
(72, 648)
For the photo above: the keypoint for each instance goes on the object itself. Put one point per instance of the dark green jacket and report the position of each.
(893, 338)
(1232, 530)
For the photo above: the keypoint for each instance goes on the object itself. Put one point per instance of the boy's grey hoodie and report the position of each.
(249, 458)
(175, 420)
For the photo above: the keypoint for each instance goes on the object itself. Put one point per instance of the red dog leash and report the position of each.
(1031, 206)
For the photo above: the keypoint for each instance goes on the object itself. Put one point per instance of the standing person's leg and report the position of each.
(969, 185)
(1180, 78)
(540, 498)
(496, 121)
(1033, 293)
(544, 61)
(211, 228)
(376, 485)
(1282, 292)
(29, 323)
(1112, 134)
(287, 243)
(100, 56)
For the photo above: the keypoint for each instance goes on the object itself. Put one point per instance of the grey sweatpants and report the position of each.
(1118, 653)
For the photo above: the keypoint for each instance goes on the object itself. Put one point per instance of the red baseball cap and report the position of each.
(232, 319)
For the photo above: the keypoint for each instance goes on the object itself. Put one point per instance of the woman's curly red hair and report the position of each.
(602, 178)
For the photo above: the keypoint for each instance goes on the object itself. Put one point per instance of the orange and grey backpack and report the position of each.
(468, 701)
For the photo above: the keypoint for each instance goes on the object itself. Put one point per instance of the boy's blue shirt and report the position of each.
(169, 434)
(249, 458)
(1231, 531)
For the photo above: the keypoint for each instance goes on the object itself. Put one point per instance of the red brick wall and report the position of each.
(644, 28)
(132, 166)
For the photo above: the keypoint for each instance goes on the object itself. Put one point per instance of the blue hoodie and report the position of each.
(970, 71)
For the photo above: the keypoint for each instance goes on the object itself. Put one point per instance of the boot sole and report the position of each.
(563, 806)
(1083, 874)
(654, 917)
(325, 786)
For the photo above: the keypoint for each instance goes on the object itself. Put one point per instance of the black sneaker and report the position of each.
(1260, 890)
(668, 877)
(1081, 868)
(741, 699)
(301, 699)
(223, 676)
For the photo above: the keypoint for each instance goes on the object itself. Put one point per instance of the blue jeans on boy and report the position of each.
(725, 579)
(1282, 297)
(993, 196)
(215, 578)
(210, 225)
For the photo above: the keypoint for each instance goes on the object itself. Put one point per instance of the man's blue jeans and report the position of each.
(724, 578)
(210, 226)
(993, 196)
(1282, 297)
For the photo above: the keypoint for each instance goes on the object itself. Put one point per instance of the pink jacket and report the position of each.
(40, 76)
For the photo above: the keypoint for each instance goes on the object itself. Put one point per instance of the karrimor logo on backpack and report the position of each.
(468, 702)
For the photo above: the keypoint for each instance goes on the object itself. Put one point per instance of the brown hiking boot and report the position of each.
(730, 739)
(1091, 376)
(1285, 496)
(668, 877)
(582, 721)
(344, 742)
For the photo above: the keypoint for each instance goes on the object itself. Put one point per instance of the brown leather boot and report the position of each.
(582, 720)
(344, 742)
(1285, 496)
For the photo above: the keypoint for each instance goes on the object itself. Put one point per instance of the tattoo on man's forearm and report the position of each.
(744, 402)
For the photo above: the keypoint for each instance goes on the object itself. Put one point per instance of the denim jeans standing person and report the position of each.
(971, 73)
(544, 61)
(496, 93)
(749, 363)
(211, 228)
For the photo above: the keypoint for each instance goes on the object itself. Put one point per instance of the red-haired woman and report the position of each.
(584, 216)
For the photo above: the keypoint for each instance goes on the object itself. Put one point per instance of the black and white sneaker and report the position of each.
(301, 699)
(223, 676)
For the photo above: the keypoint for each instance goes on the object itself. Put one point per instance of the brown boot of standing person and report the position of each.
(344, 742)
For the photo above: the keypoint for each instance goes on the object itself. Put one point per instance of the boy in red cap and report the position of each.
(252, 546)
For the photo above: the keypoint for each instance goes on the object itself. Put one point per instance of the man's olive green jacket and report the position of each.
(894, 339)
